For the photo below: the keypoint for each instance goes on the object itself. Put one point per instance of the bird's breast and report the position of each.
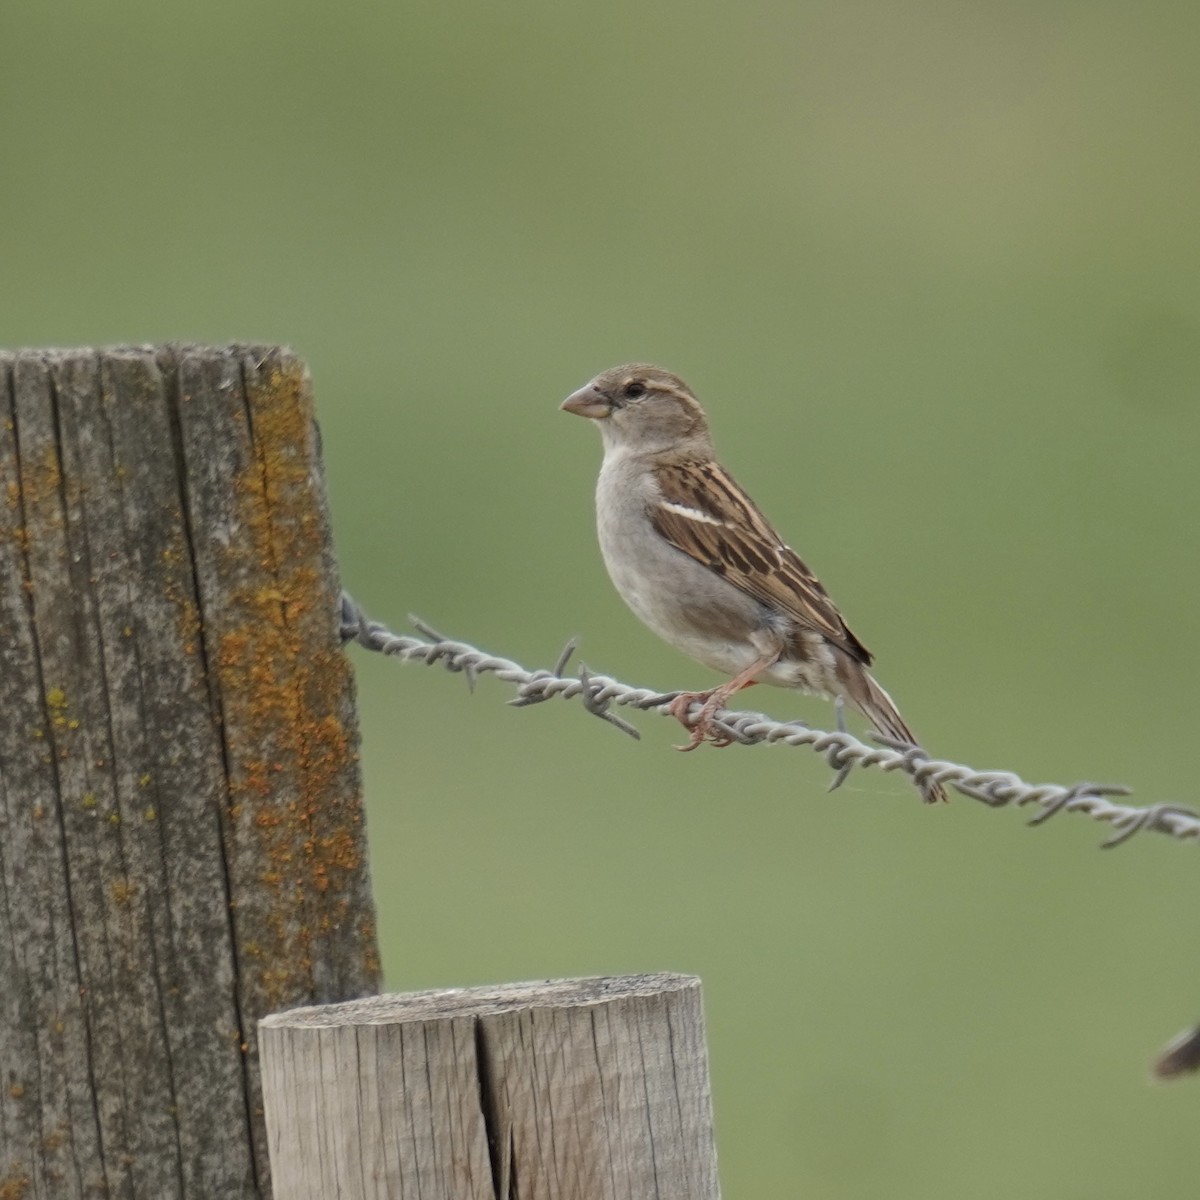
(686, 604)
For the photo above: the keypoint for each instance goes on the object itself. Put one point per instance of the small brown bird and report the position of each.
(697, 561)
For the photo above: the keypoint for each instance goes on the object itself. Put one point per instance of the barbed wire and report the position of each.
(597, 693)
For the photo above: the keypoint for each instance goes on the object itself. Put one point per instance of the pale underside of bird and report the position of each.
(694, 557)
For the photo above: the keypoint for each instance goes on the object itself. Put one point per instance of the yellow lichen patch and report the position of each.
(56, 699)
(38, 495)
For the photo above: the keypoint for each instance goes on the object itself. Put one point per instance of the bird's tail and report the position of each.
(876, 705)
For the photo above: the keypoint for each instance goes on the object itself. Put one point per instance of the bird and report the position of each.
(695, 559)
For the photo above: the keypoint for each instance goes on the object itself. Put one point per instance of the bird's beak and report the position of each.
(588, 402)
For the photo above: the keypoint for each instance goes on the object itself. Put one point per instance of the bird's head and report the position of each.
(641, 408)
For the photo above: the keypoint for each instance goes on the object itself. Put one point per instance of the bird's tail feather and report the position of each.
(877, 706)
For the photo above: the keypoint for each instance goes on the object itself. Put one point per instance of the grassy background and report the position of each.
(933, 269)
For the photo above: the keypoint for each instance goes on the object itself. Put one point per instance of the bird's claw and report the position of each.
(706, 727)
(716, 733)
(679, 708)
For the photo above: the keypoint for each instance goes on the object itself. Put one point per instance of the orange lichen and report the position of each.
(15, 1186)
(284, 687)
(180, 595)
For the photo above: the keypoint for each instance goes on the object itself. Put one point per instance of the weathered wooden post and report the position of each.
(181, 839)
(589, 1089)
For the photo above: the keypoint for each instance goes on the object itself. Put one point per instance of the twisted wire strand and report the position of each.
(997, 789)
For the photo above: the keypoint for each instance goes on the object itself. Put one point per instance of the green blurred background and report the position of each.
(932, 267)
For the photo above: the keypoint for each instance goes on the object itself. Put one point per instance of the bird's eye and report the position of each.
(634, 389)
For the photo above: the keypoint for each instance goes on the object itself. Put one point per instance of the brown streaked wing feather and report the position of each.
(743, 548)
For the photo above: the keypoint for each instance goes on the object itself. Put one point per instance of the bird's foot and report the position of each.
(679, 709)
(705, 728)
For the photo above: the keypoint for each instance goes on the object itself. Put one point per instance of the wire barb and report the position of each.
(841, 767)
(598, 693)
(528, 694)
(596, 702)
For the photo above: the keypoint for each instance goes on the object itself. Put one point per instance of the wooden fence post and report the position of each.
(584, 1089)
(181, 837)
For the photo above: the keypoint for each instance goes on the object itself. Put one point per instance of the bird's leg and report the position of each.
(712, 702)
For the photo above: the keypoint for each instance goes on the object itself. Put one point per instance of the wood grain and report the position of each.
(181, 837)
(587, 1089)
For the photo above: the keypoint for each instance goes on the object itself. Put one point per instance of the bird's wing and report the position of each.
(703, 512)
